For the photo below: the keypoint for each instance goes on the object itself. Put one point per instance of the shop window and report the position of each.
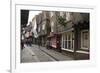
(51, 14)
(85, 40)
(68, 16)
(68, 41)
(43, 26)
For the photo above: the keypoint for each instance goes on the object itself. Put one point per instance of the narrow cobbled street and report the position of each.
(36, 53)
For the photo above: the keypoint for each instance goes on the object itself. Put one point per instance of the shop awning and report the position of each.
(67, 30)
(53, 35)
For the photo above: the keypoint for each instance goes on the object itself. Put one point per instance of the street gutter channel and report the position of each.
(49, 54)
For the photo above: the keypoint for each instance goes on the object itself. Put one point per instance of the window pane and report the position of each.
(85, 39)
(65, 44)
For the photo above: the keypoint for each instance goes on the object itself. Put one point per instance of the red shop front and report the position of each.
(55, 40)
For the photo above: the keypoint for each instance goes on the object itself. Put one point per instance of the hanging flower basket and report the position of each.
(61, 20)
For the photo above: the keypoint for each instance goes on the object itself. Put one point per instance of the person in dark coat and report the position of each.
(22, 42)
(48, 44)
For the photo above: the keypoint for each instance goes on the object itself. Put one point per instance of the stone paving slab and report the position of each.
(43, 57)
(59, 56)
(26, 56)
(35, 53)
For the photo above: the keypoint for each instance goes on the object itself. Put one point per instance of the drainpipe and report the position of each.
(75, 40)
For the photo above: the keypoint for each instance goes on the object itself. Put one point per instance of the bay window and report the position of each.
(68, 41)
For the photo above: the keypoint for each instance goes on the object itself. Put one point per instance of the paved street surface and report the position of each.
(41, 54)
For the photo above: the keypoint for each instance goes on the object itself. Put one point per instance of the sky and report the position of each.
(32, 14)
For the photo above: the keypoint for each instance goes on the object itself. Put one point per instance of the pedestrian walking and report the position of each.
(39, 43)
(22, 42)
(27, 38)
(48, 44)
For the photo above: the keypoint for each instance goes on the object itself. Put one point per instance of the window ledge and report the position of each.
(81, 51)
(68, 50)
